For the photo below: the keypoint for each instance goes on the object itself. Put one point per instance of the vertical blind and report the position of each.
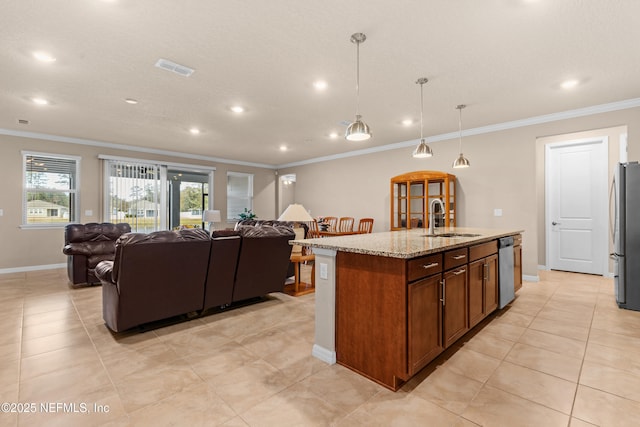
(134, 194)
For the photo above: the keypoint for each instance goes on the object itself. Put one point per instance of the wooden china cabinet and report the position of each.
(412, 194)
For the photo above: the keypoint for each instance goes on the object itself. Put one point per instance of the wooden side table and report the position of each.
(298, 287)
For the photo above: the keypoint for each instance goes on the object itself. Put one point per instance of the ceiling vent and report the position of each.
(23, 122)
(165, 64)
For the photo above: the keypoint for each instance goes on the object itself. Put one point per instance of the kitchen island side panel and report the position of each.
(371, 324)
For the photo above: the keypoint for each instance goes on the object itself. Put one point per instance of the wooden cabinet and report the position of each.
(412, 194)
(425, 322)
(517, 261)
(483, 281)
(454, 305)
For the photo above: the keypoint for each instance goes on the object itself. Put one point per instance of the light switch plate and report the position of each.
(324, 271)
(88, 212)
(497, 212)
(1, 212)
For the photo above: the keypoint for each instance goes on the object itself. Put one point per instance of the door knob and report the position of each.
(555, 223)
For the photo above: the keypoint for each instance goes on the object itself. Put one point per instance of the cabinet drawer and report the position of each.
(455, 258)
(424, 266)
(517, 240)
(483, 250)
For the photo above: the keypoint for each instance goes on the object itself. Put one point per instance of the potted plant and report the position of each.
(247, 214)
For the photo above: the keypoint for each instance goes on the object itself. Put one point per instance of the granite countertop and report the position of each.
(405, 243)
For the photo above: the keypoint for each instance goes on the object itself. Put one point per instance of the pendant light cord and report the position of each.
(460, 107)
(421, 113)
(357, 79)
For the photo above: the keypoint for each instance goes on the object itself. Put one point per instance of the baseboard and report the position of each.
(530, 278)
(323, 354)
(32, 268)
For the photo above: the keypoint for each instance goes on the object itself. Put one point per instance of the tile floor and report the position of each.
(562, 354)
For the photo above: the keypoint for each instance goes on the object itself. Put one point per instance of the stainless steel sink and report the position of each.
(451, 235)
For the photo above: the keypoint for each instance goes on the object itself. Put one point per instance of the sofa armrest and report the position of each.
(104, 272)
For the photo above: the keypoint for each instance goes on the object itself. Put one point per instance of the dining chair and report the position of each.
(332, 221)
(345, 224)
(365, 225)
(314, 229)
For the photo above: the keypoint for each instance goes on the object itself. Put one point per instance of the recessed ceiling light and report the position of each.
(237, 109)
(131, 101)
(407, 122)
(43, 56)
(40, 101)
(320, 85)
(194, 131)
(569, 84)
(333, 135)
(283, 148)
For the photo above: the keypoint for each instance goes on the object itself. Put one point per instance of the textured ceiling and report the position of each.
(505, 59)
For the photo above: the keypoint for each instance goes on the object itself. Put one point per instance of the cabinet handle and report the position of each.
(488, 272)
(427, 266)
(444, 286)
(457, 257)
(459, 272)
(484, 273)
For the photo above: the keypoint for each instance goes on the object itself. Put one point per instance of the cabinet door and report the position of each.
(454, 305)
(425, 324)
(490, 284)
(517, 267)
(476, 292)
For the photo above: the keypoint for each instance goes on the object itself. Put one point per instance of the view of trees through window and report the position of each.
(50, 190)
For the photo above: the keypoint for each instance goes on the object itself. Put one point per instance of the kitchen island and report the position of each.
(388, 303)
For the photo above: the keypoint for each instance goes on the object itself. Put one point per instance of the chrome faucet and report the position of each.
(432, 215)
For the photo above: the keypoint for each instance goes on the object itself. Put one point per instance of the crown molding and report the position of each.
(93, 143)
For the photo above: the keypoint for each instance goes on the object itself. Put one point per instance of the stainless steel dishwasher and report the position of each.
(505, 270)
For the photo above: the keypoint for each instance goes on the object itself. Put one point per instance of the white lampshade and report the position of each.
(295, 212)
(211, 216)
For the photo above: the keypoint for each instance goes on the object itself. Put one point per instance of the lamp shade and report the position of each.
(211, 216)
(295, 212)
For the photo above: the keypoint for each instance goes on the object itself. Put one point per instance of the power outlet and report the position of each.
(324, 271)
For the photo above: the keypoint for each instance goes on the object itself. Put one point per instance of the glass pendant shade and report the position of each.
(358, 131)
(422, 150)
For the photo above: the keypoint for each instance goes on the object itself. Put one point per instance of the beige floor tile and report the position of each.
(514, 318)
(472, 364)
(487, 343)
(143, 388)
(391, 409)
(235, 422)
(603, 409)
(194, 406)
(555, 343)
(40, 330)
(576, 422)
(610, 339)
(505, 330)
(494, 407)
(225, 359)
(248, 385)
(10, 351)
(549, 362)
(575, 317)
(139, 359)
(613, 357)
(67, 314)
(448, 390)
(564, 329)
(68, 357)
(294, 406)
(611, 380)
(341, 387)
(73, 338)
(201, 340)
(547, 390)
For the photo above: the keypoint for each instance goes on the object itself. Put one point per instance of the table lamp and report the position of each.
(296, 213)
(211, 217)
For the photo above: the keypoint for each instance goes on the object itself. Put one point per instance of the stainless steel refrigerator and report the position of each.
(626, 235)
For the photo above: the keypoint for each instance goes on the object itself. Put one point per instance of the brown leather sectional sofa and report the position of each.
(164, 274)
(87, 245)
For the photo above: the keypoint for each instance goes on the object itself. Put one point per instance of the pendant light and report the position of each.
(358, 130)
(422, 150)
(461, 161)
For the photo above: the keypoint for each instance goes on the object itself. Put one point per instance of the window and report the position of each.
(134, 195)
(239, 193)
(50, 194)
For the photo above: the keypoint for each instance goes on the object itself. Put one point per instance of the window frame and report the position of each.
(249, 197)
(74, 190)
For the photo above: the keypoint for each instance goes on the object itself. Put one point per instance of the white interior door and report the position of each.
(577, 206)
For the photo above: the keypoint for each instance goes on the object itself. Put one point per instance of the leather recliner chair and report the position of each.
(154, 276)
(87, 245)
